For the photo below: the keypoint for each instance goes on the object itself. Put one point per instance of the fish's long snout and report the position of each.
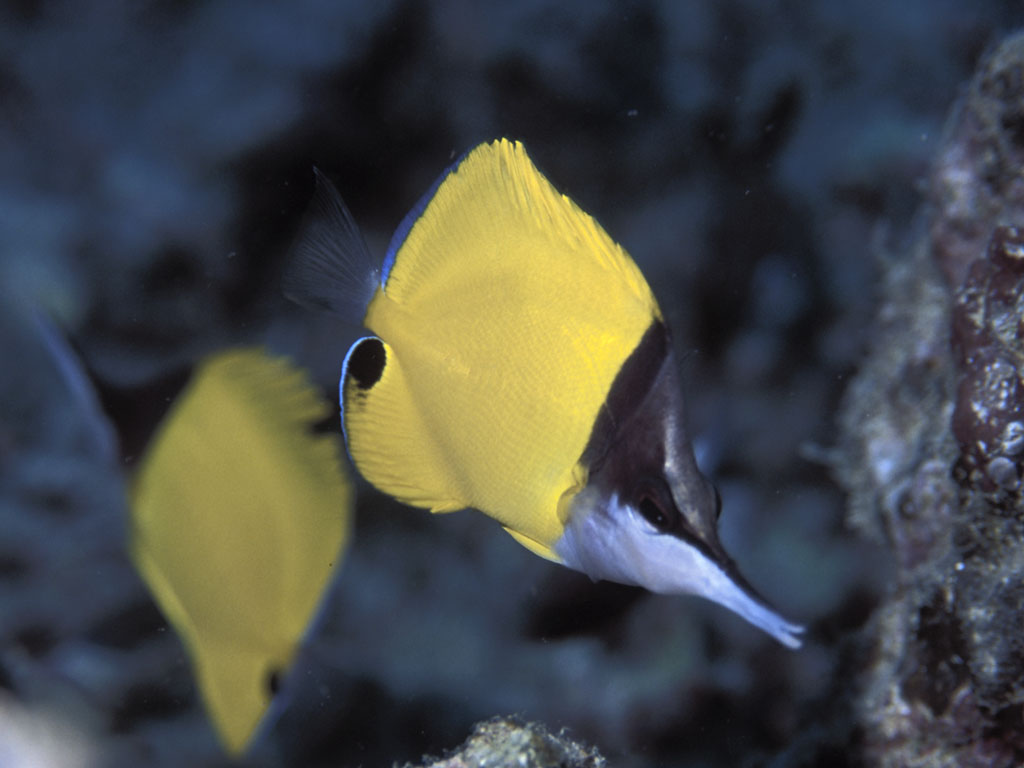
(675, 565)
(608, 539)
(735, 593)
(697, 549)
(722, 580)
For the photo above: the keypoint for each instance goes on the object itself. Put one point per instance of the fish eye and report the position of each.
(718, 503)
(655, 515)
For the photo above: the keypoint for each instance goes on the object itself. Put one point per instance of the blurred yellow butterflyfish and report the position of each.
(519, 365)
(240, 516)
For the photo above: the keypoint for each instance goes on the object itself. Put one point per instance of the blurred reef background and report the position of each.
(822, 195)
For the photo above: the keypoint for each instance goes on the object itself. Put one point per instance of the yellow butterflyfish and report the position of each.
(240, 516)
(519, 365)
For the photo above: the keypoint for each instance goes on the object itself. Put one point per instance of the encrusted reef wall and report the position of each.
(931, 454)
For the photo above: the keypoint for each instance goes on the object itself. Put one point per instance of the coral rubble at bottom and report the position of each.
(506, 742)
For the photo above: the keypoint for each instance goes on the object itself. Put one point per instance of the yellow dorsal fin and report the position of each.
(494, 186)
(240, 515)
(505, 316)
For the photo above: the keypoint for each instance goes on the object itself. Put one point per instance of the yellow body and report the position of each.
(505, 318)
(239, 520)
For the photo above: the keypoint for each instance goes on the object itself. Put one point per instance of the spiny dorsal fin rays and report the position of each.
(240, 515)
(330, 268)
(402, 231)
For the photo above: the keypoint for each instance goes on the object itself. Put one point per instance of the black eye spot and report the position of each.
(718, 503)
(366, 362)
(273, 681)
(654, 514)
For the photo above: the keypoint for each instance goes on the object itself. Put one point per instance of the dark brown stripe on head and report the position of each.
(632, 385)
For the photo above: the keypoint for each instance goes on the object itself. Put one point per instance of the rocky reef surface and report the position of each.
(931, 455)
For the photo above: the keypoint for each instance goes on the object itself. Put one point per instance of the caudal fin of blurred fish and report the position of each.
(29, 324)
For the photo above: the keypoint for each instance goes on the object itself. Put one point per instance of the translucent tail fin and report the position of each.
(331, 269)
